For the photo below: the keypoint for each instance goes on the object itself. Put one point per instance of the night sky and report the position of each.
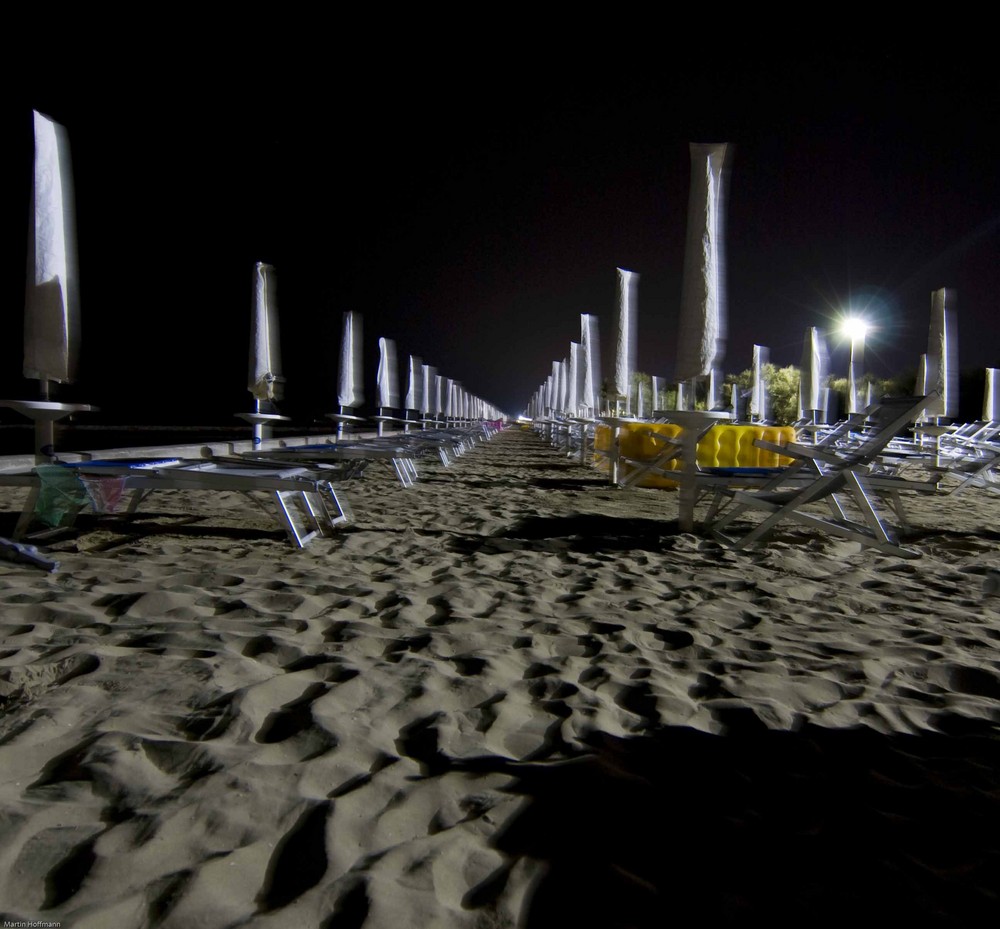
(472, 205)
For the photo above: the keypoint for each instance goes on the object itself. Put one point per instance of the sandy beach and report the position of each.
(510, 697)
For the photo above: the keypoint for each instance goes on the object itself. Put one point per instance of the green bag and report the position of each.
(61, 494)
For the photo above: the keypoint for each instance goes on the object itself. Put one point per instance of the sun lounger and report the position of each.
(973, 463)
(833, 472)
(349, 459)
(306, 505)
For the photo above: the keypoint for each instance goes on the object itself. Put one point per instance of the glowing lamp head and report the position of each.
(854, 328)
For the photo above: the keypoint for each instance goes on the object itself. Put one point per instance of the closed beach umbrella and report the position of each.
(415, 385)
(758, 396)
(812, 374)
(576, 374)
(350, 393)
(447, 397)
(942, 354)
(628, 284)
(266, 383)
(430, 382)
(52, 307)
(591, 341)
(856, 370)
(438, 395)
(991, 396)
(702, 335)
(388, 375)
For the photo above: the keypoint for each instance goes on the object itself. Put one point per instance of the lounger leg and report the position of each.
(27, 514)
(136, 497)
(760, 531)
(343, 511)
(864, 503)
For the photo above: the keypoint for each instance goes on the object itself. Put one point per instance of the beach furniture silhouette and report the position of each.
(52, 306)
(841, 468)
(974, 459)
(266, 385)
(305, 505)
(350, 390)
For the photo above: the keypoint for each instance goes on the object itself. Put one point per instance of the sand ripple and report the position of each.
(488, 695)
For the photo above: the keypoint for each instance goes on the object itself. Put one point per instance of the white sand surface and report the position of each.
(511, 696)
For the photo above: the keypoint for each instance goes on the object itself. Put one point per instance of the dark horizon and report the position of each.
(473, 222)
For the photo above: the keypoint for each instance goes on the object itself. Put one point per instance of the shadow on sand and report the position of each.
(814, 826)
(817, 826)
(588, 533)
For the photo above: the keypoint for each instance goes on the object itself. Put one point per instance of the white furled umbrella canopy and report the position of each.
(430, 381)
(628, 285)
(702, 335)
(415, 385)
(449, 397)
(576, 375)
(350, 393)
(52, 307)
(388, 375)
(438, 392)
(591, 342)
(991, 396)
(758, 397)
(855, 371)
(942, 354)
(266, 382)
(812, 372)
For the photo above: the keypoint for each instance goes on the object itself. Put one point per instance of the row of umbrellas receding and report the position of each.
(429, 395)
(52, 316)
(573, 388)
(574, 385)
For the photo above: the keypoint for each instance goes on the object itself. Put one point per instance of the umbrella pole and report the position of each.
(45, 429)
(258, 427)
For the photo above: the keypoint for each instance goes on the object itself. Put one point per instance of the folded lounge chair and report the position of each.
(833, 473)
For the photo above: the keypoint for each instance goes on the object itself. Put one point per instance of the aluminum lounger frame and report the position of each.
(306, 507)
(401, 450)
(823, 472)
(978, 465)
(399, 459)
(969, 453)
